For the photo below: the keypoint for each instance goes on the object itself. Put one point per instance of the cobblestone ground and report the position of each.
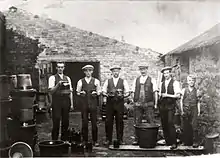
(44, 133)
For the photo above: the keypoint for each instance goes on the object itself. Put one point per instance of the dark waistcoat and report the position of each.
(148, 90)
(190, 98)
(170, 90)
(88, 88)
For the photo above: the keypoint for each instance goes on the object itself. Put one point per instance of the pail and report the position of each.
(147, 135)
(24, 81)
(53, 148)
(209, 143)
(41, 100)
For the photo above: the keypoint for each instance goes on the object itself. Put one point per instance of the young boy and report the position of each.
(190, 110)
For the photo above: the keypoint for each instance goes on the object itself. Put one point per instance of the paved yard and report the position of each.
(44, 132)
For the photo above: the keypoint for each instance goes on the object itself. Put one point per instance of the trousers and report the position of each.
(60, 112)
(167, 121)
(190, 131)
(114, 109)
(92, 110)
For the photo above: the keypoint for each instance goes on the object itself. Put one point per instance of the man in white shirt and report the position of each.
(60, 89)
(114, 91)
(145, 97)
(88, 89)
(170, 91)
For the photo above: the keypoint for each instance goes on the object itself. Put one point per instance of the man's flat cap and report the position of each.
(115, 67)
(143, 66)
(87, 67)
(166, 68)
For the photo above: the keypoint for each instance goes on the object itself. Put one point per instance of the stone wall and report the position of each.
(204, 63)
(21, 55)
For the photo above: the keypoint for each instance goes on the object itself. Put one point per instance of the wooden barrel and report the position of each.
(24, 81)
(4, 87)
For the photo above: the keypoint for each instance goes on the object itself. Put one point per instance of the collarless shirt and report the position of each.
(142, 81)
(115, 81)
(51, 81)
(176, 86)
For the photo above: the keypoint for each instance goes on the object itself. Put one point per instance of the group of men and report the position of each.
(145, 95)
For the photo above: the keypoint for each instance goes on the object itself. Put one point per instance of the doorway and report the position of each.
(74, 71)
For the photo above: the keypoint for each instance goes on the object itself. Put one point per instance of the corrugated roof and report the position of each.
(210, 37)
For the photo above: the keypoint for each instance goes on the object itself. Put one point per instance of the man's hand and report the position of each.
(198, 113)
(155, 106)
(71, 108)
(182, 112)
(83, 93)
(94, 93)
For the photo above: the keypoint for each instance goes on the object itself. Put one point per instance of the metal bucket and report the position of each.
(24, 81)
(4, 87)
(41, 100)
(147, 135)
(53, 148)
(209, 143)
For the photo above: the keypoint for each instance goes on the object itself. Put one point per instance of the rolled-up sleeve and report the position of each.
(51, 82)
(98, 87)
(79, 86)
(69, 80)
(133, 86)
(176, 87)
(155, 88)
(105, 86)
(126, 87)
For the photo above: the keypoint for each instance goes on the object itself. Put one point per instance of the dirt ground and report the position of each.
(44, 133)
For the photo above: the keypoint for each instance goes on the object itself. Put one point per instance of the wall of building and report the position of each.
(204, 63)
(21, 55)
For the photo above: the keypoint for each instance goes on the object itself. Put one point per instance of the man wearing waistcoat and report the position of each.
(145, 97)
(62, 101)
(114, 91)
(88, 88)
(170, 91)
(190, 110)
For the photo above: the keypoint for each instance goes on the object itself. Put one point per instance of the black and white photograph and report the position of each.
(110, 78)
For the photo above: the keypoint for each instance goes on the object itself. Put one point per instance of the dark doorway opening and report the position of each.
(74, 71)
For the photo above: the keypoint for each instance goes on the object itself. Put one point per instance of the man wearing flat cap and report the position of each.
(88, 88)
(170, 91)
(145, 98)
(114, 91)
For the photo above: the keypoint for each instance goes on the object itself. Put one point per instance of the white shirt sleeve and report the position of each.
(126, 87)
(98, 87)
(69, 80)
(155, 88)
(105, 86)
(51, 82)
(176, 87)
(133, 85)
(79, 86)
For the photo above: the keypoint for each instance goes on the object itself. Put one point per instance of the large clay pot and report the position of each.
(147, 135)
(24, 81)
(4, 87)
(53, 148)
